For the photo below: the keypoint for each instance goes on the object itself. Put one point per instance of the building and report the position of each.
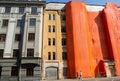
(54, 42)
(93, 39)
(20, 39)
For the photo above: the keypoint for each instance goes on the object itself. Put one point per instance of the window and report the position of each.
(65, 71)
(5, 23)
(49, 41)
(53, 16)
(2, 37)
(17, 37)
(0, 70)
(53, 28)
(63, 29)
(30, 52)
(31, 36)
(64, 55)
(21, 10)
(54, 56)
(49, 28)
(14, 71)
(15, 53)
(29, 72)
(53, 41)
(20, 23)
(1, 53)
(49, 17)
(49, 55)
(63, 17)
(7, 9)
(32, 21)
(63, 41)
(33, 10)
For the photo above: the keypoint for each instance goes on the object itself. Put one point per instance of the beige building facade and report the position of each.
(54, 42)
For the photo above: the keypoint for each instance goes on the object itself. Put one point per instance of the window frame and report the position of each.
(53, 30)
(21, 10)
(17, 37)
(49, 55)
(31, 36)
(30, 52)
(49, 17)
(34, 10)
(7, 9)
(1, 53)
(15, 53)
(64, 41)
(54, 17)
(63, 29)
(54, 56)
(30, 71)
(14, 71)
(53, 41)
(64, 55)
(5, 23)
(32, 22)
(2, 37)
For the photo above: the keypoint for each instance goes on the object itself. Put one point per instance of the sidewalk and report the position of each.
(90, 79)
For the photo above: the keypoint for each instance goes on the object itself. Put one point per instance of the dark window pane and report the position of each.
(1, 53)
(29, 72)
(5, 23)
(15, 53)
(63, 41)
(49, 17)
(63, 29)
(2, 37)
(30, 52)
(7, 9)
(32, 22)
(53, 41)
(54, 56)
(17, 37)
(63, 18)
(49, 41)
(20, 23)
(31, 36)
(49, 56)
(14, 71)
(33, 10)
(64, 55)
(53, 16)
(21, 10)
(53, 28)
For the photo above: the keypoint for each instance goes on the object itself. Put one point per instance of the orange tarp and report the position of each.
(92, 37)
(112, 22)
(78, 40)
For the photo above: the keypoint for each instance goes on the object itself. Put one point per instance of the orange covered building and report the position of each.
(93, 40)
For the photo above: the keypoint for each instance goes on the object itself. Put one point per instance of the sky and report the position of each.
(97, 2)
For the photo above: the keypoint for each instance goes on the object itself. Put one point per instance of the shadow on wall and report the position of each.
(100, 69)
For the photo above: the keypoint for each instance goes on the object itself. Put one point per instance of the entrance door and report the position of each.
(112, 70)
(51, 73)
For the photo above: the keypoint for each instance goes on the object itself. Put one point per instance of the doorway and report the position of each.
(51, 73)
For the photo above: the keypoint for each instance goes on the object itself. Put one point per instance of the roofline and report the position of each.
(57, 2)
(23, 2)
(81, 1)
